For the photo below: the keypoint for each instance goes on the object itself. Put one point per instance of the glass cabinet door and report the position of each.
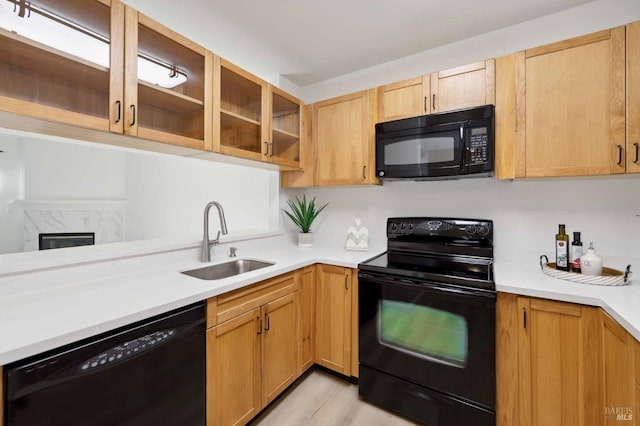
(240, 114)
(55, 59)
(284, 147)
(166, 84)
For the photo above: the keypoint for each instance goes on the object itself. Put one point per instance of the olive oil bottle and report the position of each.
(562, 249)
(576, 252)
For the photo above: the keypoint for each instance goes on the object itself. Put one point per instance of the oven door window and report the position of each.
(442, 337)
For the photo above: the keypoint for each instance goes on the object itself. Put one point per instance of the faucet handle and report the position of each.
(232, 251)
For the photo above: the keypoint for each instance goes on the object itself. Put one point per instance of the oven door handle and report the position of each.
(426, 285)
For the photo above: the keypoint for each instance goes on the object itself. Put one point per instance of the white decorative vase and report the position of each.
(357, 236)
(305, 239)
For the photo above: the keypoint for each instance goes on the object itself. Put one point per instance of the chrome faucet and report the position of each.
(206, 244)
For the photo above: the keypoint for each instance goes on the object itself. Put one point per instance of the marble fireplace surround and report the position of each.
(106, 218)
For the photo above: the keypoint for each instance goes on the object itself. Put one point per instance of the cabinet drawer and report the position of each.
(229, 305)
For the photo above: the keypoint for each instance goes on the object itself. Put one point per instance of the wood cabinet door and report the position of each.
(619, 380)
(279, 347)
(176, 110)
(302, 178)
(463, 87)
(307, 315)
(67, 79)
(570, 106)
(233, 370)
(404, 99)
(559, 364)
(342, 139)
(241, 105)
(333, 318)
(633, 98)
(285, 127)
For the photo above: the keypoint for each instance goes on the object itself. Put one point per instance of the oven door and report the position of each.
(433, 335)
(419, 152)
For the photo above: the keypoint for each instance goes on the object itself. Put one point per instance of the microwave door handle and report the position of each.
(464, 150)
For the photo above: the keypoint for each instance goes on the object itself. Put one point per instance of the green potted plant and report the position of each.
(303, 214)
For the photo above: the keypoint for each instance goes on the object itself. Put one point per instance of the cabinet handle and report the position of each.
(259, 325)
(524, 317)
(425, 104)
(433, 103)
(364, 172)
(133, 119)
(266, 151)
(346, 282)
(271, 154)
(637, 148)
(268, 326)
(619, 155)
(119, 116)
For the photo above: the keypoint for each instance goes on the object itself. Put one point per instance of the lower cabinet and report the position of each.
(562, 364)
(253, 355)
(333, 318)
(261, 338)
(307, 315)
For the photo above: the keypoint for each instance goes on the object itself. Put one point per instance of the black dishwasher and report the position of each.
(148, 373)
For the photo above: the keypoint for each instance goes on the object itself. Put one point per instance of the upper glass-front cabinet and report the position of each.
(67, 61)
(241, 112)
(55, 58)
(284, 145)
(168, 89)
(254, 120)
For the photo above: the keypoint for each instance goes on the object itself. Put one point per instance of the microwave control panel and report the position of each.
(478, 145)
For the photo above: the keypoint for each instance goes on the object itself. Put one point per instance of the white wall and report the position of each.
(11, 189)
(167, 195)
(71, 171)
(584, 19)
(526, 213)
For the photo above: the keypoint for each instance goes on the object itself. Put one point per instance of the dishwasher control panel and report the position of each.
(128, 349)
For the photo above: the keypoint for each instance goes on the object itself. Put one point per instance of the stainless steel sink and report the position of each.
(229, 269)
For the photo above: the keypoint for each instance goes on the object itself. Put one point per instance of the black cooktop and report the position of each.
(442, 250)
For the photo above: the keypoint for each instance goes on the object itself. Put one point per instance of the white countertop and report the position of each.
(49, 308)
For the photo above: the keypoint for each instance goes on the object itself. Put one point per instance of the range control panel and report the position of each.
(128, 349)
(419, 228)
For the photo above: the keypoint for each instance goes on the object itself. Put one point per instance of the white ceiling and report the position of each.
(311, 41)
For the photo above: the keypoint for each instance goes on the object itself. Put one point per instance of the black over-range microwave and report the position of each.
(446, 145)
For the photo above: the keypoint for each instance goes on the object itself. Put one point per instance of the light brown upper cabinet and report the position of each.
(463, 87)
(343, 139)
(173, 109)
(60, 72)
(241, 103)
(569, 108)
(253, 119)
(101, 65)
(404, 99)
(633, 98)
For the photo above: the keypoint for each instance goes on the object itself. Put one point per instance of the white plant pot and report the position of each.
(305, 240)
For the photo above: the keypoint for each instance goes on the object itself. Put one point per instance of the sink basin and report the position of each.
(229, 269)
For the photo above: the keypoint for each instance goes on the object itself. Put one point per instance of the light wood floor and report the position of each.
(324, 400)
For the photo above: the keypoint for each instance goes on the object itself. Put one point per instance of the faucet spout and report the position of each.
(206, 243)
